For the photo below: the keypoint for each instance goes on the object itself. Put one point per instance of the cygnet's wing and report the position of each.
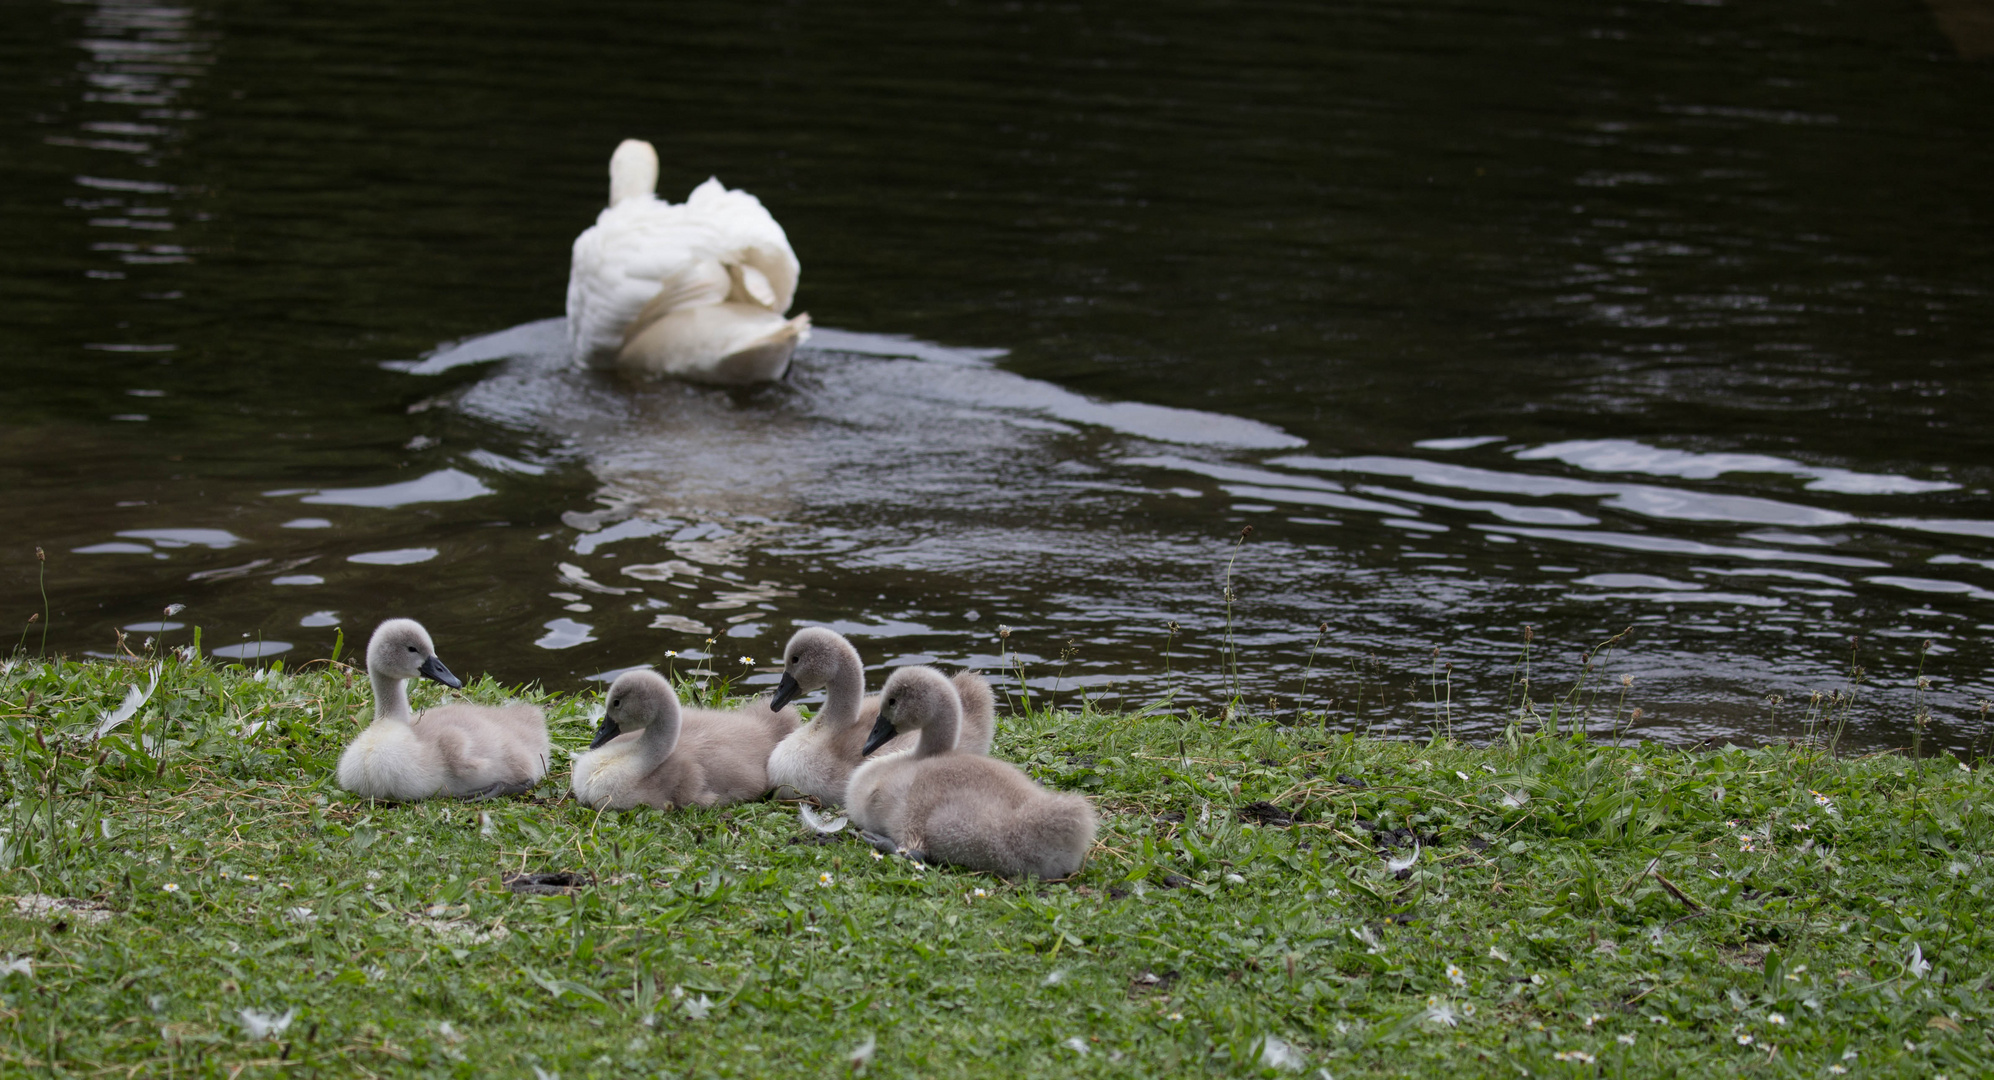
(479, 745)
(730, 751)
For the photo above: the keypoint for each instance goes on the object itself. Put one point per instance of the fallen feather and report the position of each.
(817, 824)
(135, 700)
(1918, 966)
(265, 1025)
(1396, 865)
(1279, 1054)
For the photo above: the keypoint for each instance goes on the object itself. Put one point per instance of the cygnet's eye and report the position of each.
(892, 701)
(615, 702)
(797, 659)
(413, 649)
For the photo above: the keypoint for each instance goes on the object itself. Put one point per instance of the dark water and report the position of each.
(1583, 317)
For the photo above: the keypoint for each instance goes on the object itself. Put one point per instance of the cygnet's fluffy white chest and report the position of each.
(606, 773)
(801, 763)
(387, 761)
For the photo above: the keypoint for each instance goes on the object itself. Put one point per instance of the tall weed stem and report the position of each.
(1232, 649)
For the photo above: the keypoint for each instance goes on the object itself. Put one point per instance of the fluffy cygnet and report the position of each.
(817, 760)
(952, 807)
(462, 751)
(650, 751)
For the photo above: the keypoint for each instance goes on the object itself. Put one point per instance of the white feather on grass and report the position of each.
(135, 700)
(1279, 1054)
(818, 824)
(1396, 865)
(266, 1025)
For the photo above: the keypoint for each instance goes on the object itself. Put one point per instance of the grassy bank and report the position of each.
(1575, 909)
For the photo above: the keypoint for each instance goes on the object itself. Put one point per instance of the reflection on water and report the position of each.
(397, 557)
(444, 485)
(251, 650)
(1568, 317)
(957, 490)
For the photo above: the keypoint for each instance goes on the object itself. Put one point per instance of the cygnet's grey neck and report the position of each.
(390, 697)
(660, 737)
(844, 693)
(938, 731)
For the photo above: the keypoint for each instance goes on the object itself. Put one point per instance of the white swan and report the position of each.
(464, 751)
(695, 291)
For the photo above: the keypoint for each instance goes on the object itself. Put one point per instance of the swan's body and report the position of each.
(680, 757)
(960, 808)
(695, 291)
(817, 760)
(461, 751)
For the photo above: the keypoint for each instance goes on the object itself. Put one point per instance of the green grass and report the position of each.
(1570, 898)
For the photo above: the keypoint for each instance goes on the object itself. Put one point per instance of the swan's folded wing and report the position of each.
(700, 281)
(633, 256)
(745, 234)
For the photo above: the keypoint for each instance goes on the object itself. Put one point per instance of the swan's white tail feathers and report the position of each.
(766, 358)
(728, 344)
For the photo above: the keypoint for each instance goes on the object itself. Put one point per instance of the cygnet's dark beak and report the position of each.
(785, 692)
(433, 669)
(604, 732)
(883, 732)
